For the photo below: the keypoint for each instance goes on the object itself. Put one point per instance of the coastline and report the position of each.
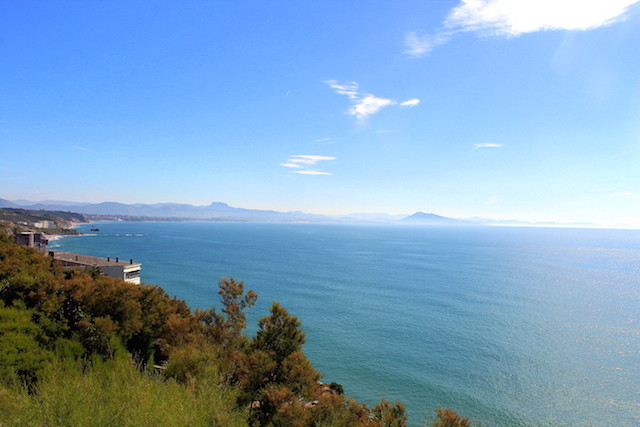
(56, 237)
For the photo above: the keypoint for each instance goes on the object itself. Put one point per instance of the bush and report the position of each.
(21, 357)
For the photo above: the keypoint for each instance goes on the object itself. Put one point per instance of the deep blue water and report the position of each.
(508, 326)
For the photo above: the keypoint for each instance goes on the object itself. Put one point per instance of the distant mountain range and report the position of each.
(215, 211)
(219, 211)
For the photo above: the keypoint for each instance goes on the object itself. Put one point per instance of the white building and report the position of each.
(128, 271)
(44, 224)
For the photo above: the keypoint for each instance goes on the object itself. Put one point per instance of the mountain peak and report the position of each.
(219, 205)
(428, 218)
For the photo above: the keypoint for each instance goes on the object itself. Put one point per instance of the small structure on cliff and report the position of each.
(129, 271)
(31, 239)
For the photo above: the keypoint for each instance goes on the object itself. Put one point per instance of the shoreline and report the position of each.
(55, 237)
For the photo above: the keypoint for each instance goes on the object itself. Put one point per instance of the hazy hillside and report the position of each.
(430, 219)
(216, 210)
(27, 218)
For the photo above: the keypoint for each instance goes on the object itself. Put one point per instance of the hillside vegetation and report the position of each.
(25, 220)
(83, 349)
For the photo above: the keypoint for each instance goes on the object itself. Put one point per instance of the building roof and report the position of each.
(91, 260)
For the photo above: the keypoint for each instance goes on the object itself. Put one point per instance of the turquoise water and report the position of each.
(508, 326)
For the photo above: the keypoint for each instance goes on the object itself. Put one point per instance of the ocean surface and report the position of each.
(506, 325)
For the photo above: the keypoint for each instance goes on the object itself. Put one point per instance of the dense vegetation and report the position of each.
(78, 348)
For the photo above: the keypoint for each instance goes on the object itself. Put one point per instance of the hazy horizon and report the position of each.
(375, 217)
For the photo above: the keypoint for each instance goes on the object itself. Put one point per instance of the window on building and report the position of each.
(132, 274)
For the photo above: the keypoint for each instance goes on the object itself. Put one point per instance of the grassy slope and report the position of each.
(115, 393)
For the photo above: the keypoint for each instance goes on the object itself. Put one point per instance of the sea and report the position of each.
(509, 326)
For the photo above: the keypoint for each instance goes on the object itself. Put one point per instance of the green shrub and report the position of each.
(21, 357)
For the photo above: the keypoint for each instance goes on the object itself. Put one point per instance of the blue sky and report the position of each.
(506, 109)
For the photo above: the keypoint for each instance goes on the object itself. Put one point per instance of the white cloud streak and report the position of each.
(77, 147)
(418, 45)
(487, 145)
(365, 105)
(303, 161)
(621, 194)
(410, 103)
(512, 18)
(624, 195)
(310, 172)
(308, 159)
(349, 88)
(369, 105)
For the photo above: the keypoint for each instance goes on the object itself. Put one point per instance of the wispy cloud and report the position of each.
(487, 145)
(621, 194)
(364, 104)
(77, 147)
(291, 165)
(369, 105)
(308, 159)
(304, 161)
(349, 88)
(624, 195)
(310, 172)
(512, 18)
(418, 45)
(410, 103)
